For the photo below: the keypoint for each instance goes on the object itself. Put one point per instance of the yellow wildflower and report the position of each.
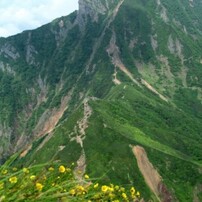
(25, 170)
(39, 186)
(51, 169)
(111, 189)
(104, 188)
(80, 188)
(124, 195)
(72, 192)
(138, 194)
(13, 180)
(132, 190)
(62, 169)
(4, 172)
(32, 177)
(96, 185)
(86, 176)
(116, 187)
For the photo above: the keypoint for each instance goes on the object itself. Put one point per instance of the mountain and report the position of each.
(115, 87)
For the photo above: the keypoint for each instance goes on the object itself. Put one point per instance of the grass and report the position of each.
(53, 182)
(128, 116)
(137, 135)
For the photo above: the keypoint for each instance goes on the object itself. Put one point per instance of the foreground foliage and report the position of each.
(58, 183)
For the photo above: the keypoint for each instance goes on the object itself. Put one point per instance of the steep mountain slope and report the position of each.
(96, 85)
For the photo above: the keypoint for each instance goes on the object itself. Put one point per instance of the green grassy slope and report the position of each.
(117, 123)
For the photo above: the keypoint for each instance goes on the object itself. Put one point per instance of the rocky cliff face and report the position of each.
(90, 86)
(93, 9)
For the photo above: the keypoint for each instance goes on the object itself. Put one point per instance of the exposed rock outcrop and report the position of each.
(93, 9)
(8, 51)
(151, 175)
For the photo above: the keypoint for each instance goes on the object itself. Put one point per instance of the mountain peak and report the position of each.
(94, 8)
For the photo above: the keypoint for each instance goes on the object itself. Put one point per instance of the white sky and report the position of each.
(19, 15)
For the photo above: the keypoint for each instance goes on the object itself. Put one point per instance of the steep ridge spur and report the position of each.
(48, 122)
(79, 135)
